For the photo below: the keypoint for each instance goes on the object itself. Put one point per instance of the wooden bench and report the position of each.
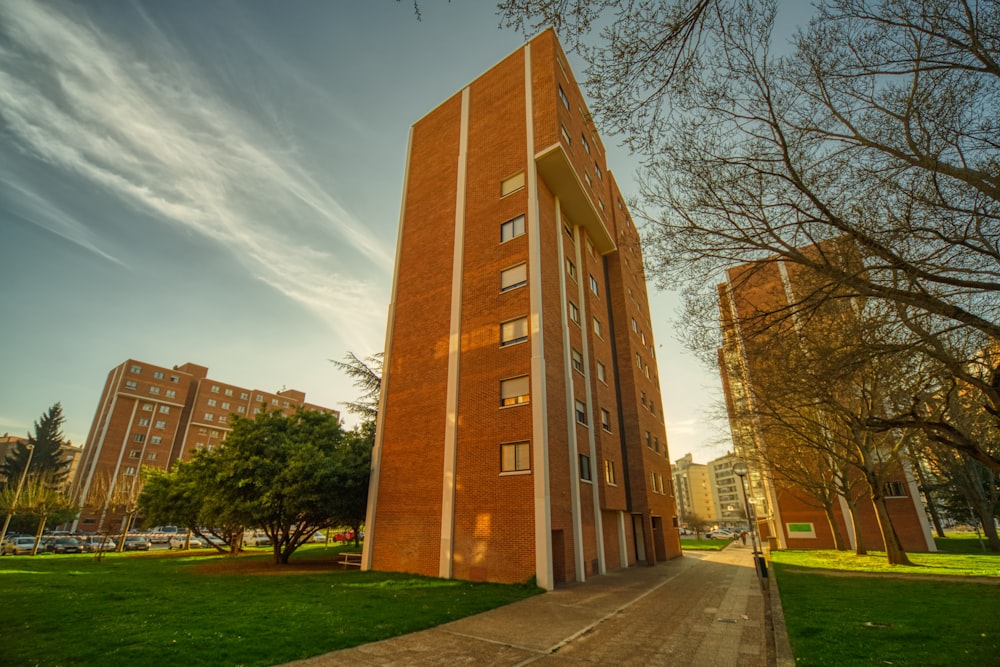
(350, 559)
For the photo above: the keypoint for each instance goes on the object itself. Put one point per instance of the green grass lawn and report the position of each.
(962, 543)
(837, 613)
(152, 609)
(704, 544)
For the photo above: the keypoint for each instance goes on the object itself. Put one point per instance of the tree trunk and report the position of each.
(985, 517)
(838, 538)
(860, 548)
(893, 548)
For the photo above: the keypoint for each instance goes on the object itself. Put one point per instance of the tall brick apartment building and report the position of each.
(757, 305)
(152, 416)
(520, 428)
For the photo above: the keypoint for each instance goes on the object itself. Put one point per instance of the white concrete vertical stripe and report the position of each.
(446, 562)
(539, 410)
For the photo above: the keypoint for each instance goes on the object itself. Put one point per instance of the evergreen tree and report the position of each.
(47, 462)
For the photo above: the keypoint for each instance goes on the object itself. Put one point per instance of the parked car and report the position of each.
(20, 545)
(65, 545)
(178, 542)
(136, 543)
(721, 534)
(319, 536)
(251, 539)
(162, 534)
(215, 541)
(95, 544)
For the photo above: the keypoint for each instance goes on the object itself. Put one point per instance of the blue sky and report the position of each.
(220, 183)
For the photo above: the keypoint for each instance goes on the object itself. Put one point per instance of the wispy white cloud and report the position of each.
(148, 128)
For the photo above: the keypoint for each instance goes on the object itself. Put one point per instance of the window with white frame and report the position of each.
(131, 384)
(581, 412)
(155, 440)
(175, 379)
(606, 420)
(586, 144)
(164, 409)
(244, 395)
(649, 440)
(135, 453)
(225, 405)
(171, 393)
(562, 96)
(597, 328)
(514, 391)
(565, 135)
(215, 388)
(602, 373)
(228, 391)
(154, 390)
(147, 407)
(209, 417)
(143, 422)
(212, 403)
(515, 457)
(151, 456)
(161, 424)
(515, 276)
(157, 375)
(574, 312)
(577, 361)
(514, 331)
(512, 228)
(571, 268)
(129, 470)
(136, 369)
(511, 184)
(139, 437)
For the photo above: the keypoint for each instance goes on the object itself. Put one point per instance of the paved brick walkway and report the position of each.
(704, 609)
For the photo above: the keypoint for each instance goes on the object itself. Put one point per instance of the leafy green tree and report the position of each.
(353, 472)
(279, 473)
(367, 376)
(47, 463)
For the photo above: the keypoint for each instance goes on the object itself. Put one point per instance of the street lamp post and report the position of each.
(17, 493)
(740, 469)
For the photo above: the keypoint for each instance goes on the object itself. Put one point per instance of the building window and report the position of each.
(512, 229)
(139, 437)
(157, 375)
(514, 331)
(171, 393)
(652, 480)
(209, 417)
(143, 422)
(586, 145)
(215, 389)
(161, 424)
(136, 369)
(199, 446)
(602, 373)
(514, 391)
(155, 440)
(228, 392)
(642, 398)
(130, 470)
(586, 177)
(274, 402)
(656, 445)
(635, 325)
(571, 268)
(154, 390)
(562, 96)
(512, 184)
(515, 276)
(649, 440)
(175, 379)
(585, 468)
(574, 312)
(147, 407)
(577, 361)
(240, 409)
(565, 135)
(597, 328)
(131, 384)
(244, 396)
(223, 419)
(581, 412)
(135, 453)
(164, 409)
(151, 456)
(256, 411)
(895, 490)
(597, 169)
(606, 420)
(225, 405)
(609, 472)
(515, 457)
(211, 403)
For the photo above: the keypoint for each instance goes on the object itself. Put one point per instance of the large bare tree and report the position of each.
(876, 124)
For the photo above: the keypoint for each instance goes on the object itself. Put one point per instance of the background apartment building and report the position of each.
(152, 415)
(520, 429)
(693, 492)
(757, 306)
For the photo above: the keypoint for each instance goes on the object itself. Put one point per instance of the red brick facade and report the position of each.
(489, 195)
(151, 416)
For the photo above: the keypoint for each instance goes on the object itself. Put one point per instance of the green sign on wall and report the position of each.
(800, 527)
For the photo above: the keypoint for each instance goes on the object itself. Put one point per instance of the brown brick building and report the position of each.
(152, 416)
(521, 430)
(760, 303)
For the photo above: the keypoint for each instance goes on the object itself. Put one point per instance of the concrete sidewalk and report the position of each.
(706, 608)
